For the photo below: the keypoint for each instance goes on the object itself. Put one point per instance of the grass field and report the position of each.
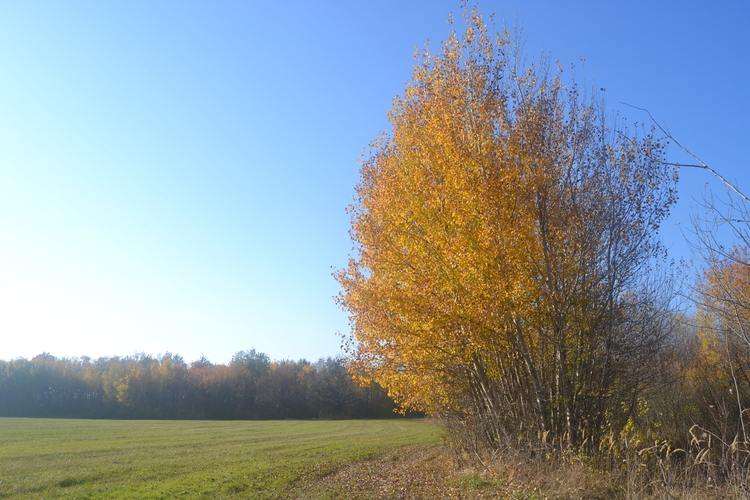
(88, 459)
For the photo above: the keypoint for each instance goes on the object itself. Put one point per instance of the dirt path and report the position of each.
(408, 473)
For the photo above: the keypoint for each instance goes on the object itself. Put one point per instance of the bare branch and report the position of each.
(701, 163)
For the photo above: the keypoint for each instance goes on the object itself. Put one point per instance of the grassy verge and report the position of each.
(87, 459)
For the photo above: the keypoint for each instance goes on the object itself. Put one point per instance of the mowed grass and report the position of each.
(87, 459)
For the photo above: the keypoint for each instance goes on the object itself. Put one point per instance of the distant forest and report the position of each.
(141, 386)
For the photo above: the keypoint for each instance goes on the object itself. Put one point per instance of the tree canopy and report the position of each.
(504, 234)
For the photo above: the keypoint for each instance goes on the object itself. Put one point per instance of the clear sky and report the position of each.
(174, 174)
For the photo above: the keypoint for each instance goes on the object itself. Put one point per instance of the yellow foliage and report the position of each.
(497, 226)
(725, 291)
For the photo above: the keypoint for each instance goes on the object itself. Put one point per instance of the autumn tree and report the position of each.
(723, 300)
(504, 236)
(721, 241)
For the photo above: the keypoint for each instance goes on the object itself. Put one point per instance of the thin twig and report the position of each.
(701, 163)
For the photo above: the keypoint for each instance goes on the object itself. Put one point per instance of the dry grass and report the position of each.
(436, 472)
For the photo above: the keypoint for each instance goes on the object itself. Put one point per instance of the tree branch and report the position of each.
(701, 164)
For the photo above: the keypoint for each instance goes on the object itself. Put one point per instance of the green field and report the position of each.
(87, 459)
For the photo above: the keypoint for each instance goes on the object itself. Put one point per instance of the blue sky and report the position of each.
(174, 175)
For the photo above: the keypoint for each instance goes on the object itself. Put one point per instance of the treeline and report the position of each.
(142, 386)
